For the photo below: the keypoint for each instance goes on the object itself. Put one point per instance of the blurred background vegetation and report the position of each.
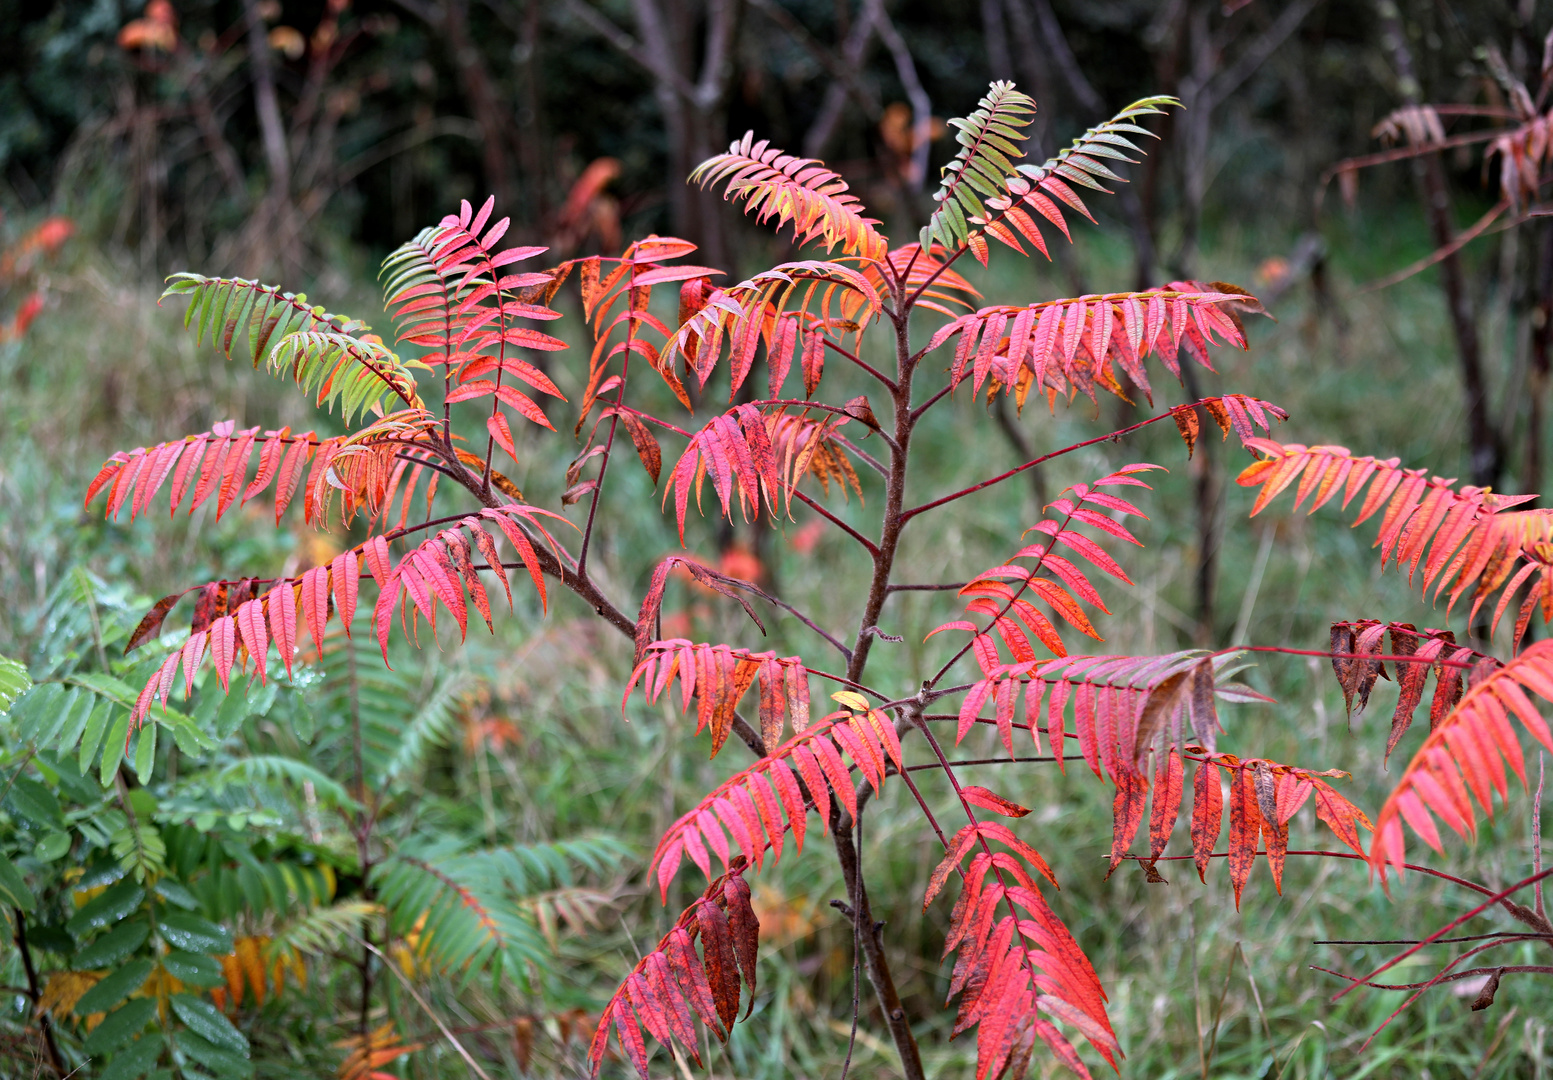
(300, 141)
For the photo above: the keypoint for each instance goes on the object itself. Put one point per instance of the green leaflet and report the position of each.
(206, 1021)
(193, 969)
(106, 908)
(985, 163)
(134, 1061)
(191, 933)
(113, 946)
(34, 802)
(261, 768)
(473, 900)
(220, 1061)
(327, 356)
(115, 988)
(13, 890)
(14, 682)
(120, 1026)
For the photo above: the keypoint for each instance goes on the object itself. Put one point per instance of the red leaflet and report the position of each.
(672, 982)
(1245, 828)
(1126, 814)
(501, 431)
(236, 470)
(192, 653)
(1166, 803)
(646, 443)
(429, 561)
(282, 611)
(291, 472)
(1461, 755)
(150, 624)
(250, 623)
(1207, 808)
(315, 604)
(383, 611)
(990, 800)
(721, 964)
(345, 576)
(212, 466)
(275, 443)
(223, 647)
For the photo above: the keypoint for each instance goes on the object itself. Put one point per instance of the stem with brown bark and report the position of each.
(34, 992)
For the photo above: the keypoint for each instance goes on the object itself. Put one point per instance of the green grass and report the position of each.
(104, 370)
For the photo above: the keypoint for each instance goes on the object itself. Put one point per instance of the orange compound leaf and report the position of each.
(821, 297)
(1018, 970)
(719, 677)
(1460, 761)
(1465, 539)
(1264, 796)
(758, 804)
(1019, 624)
(779, 186)
(736, 451)
(673, 985)
(1068, 347)
(235, 622)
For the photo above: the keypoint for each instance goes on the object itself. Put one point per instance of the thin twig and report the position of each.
(751, 587)
(1111, 437)
(852, 356)
(868, 545)
(1439, 980)
(435, 1019)
(1496, 898)
(980, 761)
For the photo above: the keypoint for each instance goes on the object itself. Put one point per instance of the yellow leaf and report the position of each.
(64, 989)
(851, 699)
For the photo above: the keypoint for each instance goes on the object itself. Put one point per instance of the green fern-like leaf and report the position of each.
(465, 909)
(322, 929)
(430, 726)
(1077, 162)
(988, 139)
(242, 884)
(330, 357)
(271, 768)
(984, 189)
